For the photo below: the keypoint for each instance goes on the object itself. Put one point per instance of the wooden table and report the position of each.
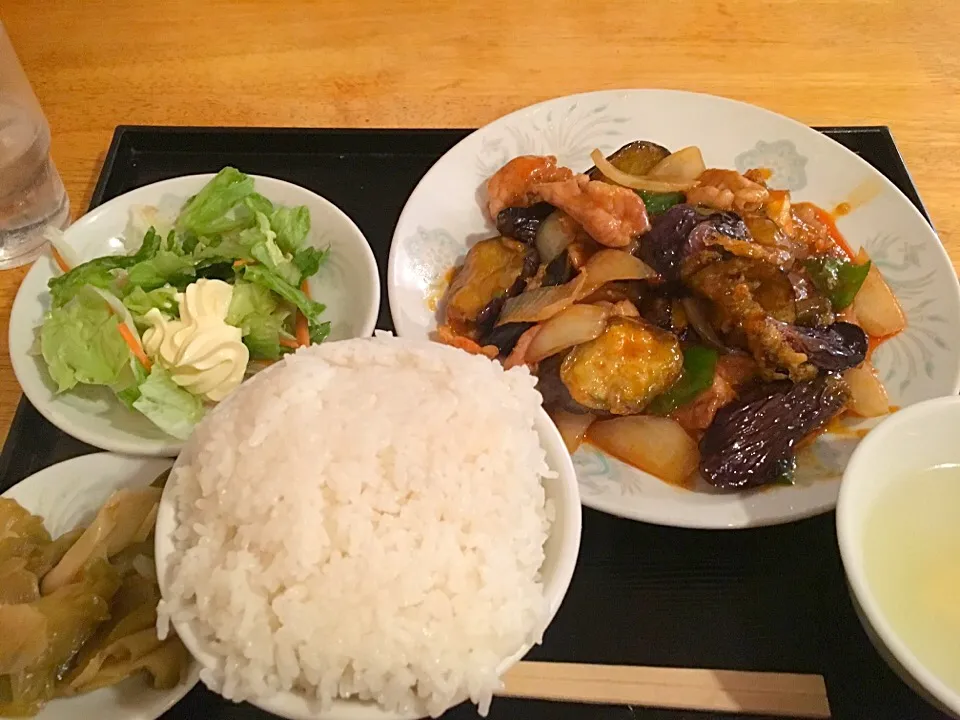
(412, 63)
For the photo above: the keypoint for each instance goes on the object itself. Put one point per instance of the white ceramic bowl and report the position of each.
(916, 438)
(348, 284)
(67, 495)
(444, 217)
(561, 550)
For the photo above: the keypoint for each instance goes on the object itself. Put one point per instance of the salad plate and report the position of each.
(444, 217)
(346, 283)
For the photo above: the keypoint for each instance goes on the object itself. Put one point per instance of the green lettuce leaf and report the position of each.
(81, 343)
(209, 211)
(291, 225)
(263, 276)
(127, 387)
(263, 247)
(249, 299)
(254, 309)
(167, 405)
(99, 272)
(139, 302)
(164, 268)
(308, 261)
(262, 333)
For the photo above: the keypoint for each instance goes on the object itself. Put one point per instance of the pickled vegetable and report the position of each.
(126, 518)
(70, 615)
(493, 270)
(752, 438)
(621, 371)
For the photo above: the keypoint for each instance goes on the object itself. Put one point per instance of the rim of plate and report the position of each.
(696, 520)
(850, 537)
(166, 446)
(91, 467)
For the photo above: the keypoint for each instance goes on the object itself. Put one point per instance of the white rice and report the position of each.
(364, 519)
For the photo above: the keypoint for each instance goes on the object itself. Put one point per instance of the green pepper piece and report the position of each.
(699, 366)
(659, 202)
(839, 280)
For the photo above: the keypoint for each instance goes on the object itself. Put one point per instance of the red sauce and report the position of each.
(830, 223)
(842, 209)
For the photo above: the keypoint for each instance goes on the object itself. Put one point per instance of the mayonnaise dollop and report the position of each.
(201, 351)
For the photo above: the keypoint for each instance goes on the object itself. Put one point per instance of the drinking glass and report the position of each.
(31, 192)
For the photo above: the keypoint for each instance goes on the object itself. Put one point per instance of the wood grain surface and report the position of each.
(432, 63)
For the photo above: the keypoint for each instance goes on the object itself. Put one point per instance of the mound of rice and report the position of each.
(364, 519)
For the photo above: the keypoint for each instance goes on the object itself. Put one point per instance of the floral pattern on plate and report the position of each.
(782, 159)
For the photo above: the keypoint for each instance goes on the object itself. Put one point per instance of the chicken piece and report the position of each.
(727, 190)
(810, 230)
(610, 214)
(514, 184)
(447, 336)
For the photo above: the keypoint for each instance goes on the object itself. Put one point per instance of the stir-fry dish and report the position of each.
(79, 612)
(677, 317)
(209, 296)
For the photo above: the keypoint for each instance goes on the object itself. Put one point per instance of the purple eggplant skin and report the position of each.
(834, 348)
(662, 248)
(750, 439)
(522, 223)
(684, 229)
(554, 391)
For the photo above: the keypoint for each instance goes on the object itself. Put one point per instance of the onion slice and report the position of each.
(554, 235)
(656, 445)
(611, 265)
(575, 325)
(542, 303)
(572, 426)
(637, 182)
(682, 166)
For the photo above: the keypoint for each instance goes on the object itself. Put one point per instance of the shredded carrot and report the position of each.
(134, 346)
(240, 262)
(58, 259)
(301, 328)
(289, 343)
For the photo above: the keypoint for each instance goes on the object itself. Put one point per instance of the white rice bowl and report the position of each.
(365, 519)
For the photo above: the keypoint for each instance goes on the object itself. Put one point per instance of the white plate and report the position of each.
(69, 494)
(443, 218)
(348, 284)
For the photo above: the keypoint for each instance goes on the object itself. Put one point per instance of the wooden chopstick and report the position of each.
(733, 691)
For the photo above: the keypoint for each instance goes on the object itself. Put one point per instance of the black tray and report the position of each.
(769, 599)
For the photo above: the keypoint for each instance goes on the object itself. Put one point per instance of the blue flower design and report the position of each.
(780, 157)
(570, 134)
